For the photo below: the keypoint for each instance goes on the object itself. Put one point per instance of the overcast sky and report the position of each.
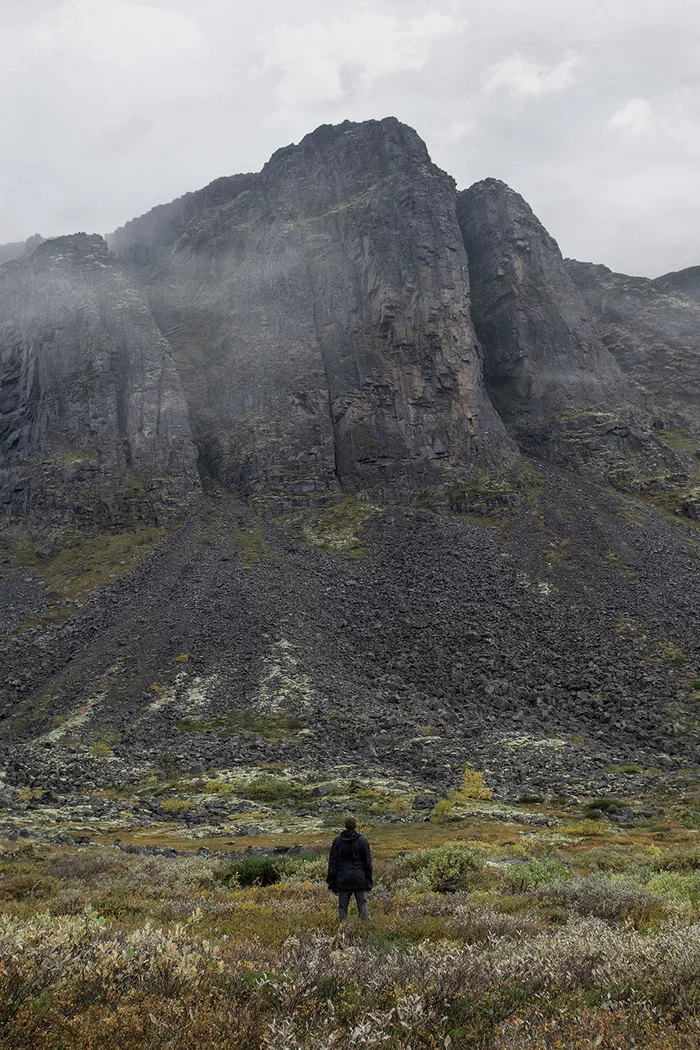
(589, 108)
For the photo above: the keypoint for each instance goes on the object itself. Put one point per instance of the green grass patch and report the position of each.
(87, 564)
(272, 726)
(679, 441)
(249, 540)
(339, 528)
(51, 615)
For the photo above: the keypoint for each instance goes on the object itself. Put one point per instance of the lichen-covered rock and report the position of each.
(542, 354)
(93, 424)
(319, 314)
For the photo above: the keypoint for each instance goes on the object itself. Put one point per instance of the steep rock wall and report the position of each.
(93, 424)
(686, 281)
(542, 353)
(653, 330)
(320, 319)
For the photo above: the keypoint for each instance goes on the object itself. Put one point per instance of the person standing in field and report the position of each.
(350, 869)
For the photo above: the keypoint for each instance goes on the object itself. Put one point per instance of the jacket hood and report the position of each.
(349, 834)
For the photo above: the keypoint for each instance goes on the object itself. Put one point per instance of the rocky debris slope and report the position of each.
(544, 650)
(93, 423)
(319, 315)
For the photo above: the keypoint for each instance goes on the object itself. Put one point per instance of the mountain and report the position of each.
(319, 315)
(333, 466)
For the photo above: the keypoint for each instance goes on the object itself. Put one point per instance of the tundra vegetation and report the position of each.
(484, 934)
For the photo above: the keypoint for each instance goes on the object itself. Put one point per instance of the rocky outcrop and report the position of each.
(545, 367)
(19, 248)
(319, 315)
(93, 424)
(653, 330)
(686, 281)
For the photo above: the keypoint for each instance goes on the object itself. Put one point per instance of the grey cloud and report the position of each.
(587, 109)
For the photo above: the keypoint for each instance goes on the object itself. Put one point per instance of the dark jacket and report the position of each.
(350, 863)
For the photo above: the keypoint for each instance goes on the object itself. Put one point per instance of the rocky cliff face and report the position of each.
(20, 248)
(686, 281)
(93, 424)
(653, 330)
(546, 369)
(319, 314)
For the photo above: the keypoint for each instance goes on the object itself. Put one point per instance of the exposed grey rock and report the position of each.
(686, 281)
(93, 424)
(320, 317)
(19, 248)
(543, 357)
(426, 801)
(652, 328)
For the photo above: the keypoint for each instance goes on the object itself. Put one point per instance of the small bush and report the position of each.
(519, 878)
(99, 749)
(175, 805)
(27, 887)
(678, 885)
(265, 871)
(472, 786)
(442, 811)
(83, 865)
(267, 789)
(607, 804)
(681, 859)
(584, 827)
(603, 898)
(449, 868)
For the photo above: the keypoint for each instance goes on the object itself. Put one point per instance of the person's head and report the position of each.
(350, 823)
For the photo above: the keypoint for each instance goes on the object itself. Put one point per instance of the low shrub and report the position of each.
(619, 859)
(679, 885)
(83, 865)
(264, 871)
(267, 789)
(472, 787)
(174, 806)
(519, 878)
(449, 868)
(443, 811)
(584, 827)
(603, 898)
(27, 886)
(683, 858)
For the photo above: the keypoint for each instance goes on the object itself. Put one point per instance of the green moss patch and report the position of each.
(273, 726)
(339, 529)
(87, 564)
(249, 540)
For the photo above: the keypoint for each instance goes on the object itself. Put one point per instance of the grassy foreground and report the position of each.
(508, 939)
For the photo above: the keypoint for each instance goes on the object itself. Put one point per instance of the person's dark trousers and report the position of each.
(344, 900)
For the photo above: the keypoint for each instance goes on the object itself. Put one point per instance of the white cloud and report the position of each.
(458, 130)
(635, 118)
(523, 79)
(319, 61)
(117, 31)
